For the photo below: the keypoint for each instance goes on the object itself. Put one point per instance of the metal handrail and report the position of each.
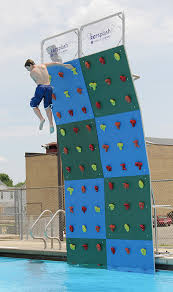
(53, 237)
(41, 238)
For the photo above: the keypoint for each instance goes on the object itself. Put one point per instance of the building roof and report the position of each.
(159, 141)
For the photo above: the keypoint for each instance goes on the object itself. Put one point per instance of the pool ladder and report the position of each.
(51, 237)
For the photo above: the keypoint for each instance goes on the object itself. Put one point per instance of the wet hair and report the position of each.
(29, 62)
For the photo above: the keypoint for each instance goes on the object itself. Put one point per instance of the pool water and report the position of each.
(36, 275)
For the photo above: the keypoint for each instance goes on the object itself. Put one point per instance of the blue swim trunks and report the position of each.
(42, 91)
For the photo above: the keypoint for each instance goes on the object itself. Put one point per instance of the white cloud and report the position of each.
(3, 159)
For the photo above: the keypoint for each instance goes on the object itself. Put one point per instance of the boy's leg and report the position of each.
(39, 115)
(49, 115)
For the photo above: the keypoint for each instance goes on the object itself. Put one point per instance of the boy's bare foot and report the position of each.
(41, 124)
(51, 129)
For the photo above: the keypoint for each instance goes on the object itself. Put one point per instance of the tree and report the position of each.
(20, 184)
(6, 179)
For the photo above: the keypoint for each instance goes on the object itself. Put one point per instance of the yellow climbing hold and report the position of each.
(74, 71)
(62, 131)
(70, 190)
(94, 167)
(93, 85)
(84, 229)
(141, 184)
(72, 246)
(103, 127)
(120, 146)
(117, 57)
(127, 227)
(66, 93)
(143, 251)
(50, 78)
(79, 149)
(112, 101)
(111, 206)
(97, 209)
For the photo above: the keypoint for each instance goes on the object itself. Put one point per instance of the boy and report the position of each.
(40, 76)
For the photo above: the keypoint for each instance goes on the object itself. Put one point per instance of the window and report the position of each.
(2, 196)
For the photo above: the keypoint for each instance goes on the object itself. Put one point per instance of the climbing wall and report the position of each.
(107, 181)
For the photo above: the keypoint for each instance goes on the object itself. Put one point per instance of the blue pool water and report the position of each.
(35, 275)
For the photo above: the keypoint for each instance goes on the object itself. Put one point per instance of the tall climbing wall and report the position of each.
(107, 181)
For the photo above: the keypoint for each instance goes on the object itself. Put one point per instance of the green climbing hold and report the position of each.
(117, 57)
(120, 146)
(50, 78)
(93, 85)
(84, 229)
(66, 93)
(141, 184)
(143, 251)
(103, 127)
(112, 101)
(70, 190)
(62, 131)
(97, 209)
(111, 206)
(79, 149)
(74, 71)
(72, 246)
(127, 227)
(94, 167)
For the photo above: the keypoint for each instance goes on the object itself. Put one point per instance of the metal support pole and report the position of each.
(21, 216)
(155, 223)
(60, 194)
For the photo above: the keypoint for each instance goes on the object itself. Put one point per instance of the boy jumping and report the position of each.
(40, 76)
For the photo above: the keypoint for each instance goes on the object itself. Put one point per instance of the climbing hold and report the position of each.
(84, 110)
(71, 228)
(133, 122)
(123, 78)
(85, 246)
(103, 127)
(58, 115)
(84, 209)
(53, 96)
(61, 74)
(76, 130)
(109, 168)
(81, 168)
(93, 85)
(97, 228)
(65, 150)
(141, 205)
(128, 99)
(127, 250)
(50, 78)
(88, 128)
(108, 81)
(136, 143)
(62, 132)
(94, 167)
(117, 56)
(117, 124)
(127, 227)
(66, 93)
(143, 251)
(112, 101)
(74, 71)
(79, 90)
(84, 229)
(111, 206)
(113, 250)
(142, 227)
(120, 146)
(96, 188)
(70, 112)
(91, 147)
(87, 64)
(102, 60)
(138, 164)
(79, 149)
(72, 246)
(98, 104)
(83, 188)
(97, 209)
(111, 185)
(71, 209)
(126, 186)
(141, 184)
(112, 227)
(127, 206)
(105, 147)
(70, 190)
(123, 166)
(68, 168)
(98, 246)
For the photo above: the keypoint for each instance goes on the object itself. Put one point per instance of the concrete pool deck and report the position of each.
(35, 249)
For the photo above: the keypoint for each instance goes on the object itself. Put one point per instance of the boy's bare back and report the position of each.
(40, 74)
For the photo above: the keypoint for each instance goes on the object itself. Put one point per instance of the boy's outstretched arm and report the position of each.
(68, 66)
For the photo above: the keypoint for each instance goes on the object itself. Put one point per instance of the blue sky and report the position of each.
(149, 44)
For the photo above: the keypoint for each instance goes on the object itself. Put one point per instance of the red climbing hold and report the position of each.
(141, 205)
(76, 130)
(102, 60)
(71, 228)
(71, 209)
(105, 147)
(98, 104)
(98, 246)
(138, 164)
(123, 166)
(81, 168)
(70, 112)
(96, 188)
(136, 143)
(133, 122)
(84, 110)
(97, 228)
(112, 227)
(87, 64)
(128, 99)
(127, 250)
(58, 115)
(127, 206)
(68, 168)
(79, 90)
(111, 185)
(53, 96)
(108, 81)
(142, 227)
(123, 78)
(88, 128)
(83, 189)
(91, 147)
(85, 246)
(117, 124)
(61, 74)
(126, 185)
(84, 209)
(113, 250)
(65, 150)
(108, 167)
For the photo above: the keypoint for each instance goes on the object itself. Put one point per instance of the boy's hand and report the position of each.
(69, 66)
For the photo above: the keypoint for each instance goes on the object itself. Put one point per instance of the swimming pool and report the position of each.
(36, 275)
